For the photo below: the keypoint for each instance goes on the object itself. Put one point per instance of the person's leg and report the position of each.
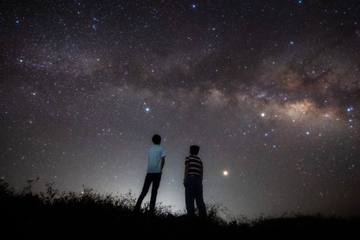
(200, 199)
(189, 198)
(154, 190)
(144, 191)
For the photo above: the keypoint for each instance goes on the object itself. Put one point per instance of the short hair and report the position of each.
(194, 149)
(156, 139)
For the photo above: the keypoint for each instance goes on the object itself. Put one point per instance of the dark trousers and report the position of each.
(154, 179)
(194, 193)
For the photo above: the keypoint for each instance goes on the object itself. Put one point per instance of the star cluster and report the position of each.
(270, 91)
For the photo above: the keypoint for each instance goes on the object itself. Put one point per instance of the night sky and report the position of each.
(270, 91)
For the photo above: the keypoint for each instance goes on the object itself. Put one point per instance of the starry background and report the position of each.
(269, 89)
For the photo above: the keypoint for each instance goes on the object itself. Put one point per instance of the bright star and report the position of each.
(262, 114)
(225, 173)
(147, 109)
(349, 109)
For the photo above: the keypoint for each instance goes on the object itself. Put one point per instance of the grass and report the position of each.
(52, 214)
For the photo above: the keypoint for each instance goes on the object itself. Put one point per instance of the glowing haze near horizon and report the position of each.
(269, 90)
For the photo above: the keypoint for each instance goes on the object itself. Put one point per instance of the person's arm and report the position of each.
(202, 171)
(162, 162)
(185, 171)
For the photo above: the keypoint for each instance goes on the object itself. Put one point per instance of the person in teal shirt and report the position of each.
(156, 161)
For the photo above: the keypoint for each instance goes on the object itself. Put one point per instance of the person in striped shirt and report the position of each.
(193, 183)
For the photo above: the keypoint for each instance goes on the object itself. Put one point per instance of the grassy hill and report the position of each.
(55, 214)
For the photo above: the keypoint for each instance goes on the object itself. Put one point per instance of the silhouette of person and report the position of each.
(193, 183)
(156, 161)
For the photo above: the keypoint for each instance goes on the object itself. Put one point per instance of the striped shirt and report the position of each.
(193, 166)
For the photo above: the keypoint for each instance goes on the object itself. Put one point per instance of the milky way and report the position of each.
(270, 90)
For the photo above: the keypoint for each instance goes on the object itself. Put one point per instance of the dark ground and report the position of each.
(66, 215)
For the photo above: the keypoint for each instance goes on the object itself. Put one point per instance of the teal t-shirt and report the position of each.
(156, 152)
